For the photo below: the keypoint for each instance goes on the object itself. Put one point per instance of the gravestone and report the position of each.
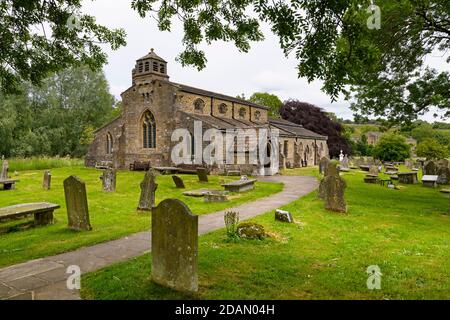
(331, 169)
(202, 175)
(109, 180)
(47, 181)
(283, 216)
(430, 168)
(4, 174)
(407, 177)
(175, 246)
(345, 163)
(148, 190)
(323, 164)
(77, 205)
(179, 183)
(333, 189)
(409, 164)
(443, 172)
(374, 170)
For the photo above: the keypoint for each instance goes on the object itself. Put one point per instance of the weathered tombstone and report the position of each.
(323, 164)
(345, 163)
(202, 175)
(374, 170)
(148, 190)
(443, 172)
(179, 183)
(47, 181)
(331, 169)
(430, 168)
(175, 246)
(407, 177)
(4, 174)
(334, 190)
(77, 205)
(109, 180)
(409, 164)
(283, 216)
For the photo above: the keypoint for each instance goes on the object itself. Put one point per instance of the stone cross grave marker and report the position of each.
(109, 180)
(175, 246)
(148, 191)
(77, 204)
(179, 183)
(202, 175)
(47, 181)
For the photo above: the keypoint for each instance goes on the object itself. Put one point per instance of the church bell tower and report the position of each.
(148, 68)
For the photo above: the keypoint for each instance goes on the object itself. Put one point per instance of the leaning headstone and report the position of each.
(4, 174)
(202, 175)
(175, 246)
(323, 164)
(430, 168)
(77, 205)
(109, 180)
(47, 181)
(179, 183)
(283, 216)
(374, 170)
(148, 191)
(333, 190)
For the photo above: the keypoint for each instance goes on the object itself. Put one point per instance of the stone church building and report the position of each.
(153, 107)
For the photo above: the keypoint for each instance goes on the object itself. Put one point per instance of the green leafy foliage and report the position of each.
(41, 37)
(56, 119)
(392, 147)
(432, 149)
(268, 100)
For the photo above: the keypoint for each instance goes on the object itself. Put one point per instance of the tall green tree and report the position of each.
(268, 100)
(41, 37)
(338, 42)
(432, 149)
(58, 117)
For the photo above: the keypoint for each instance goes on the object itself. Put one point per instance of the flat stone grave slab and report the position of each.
(239, 186)
(407, 177)
(364, 168)
(445, 191)
(43, 212)
(216, 196)
(430, 181)
(167, 170)
(8, 184)
(198, 193)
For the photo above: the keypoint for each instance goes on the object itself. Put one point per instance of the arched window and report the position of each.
(149, 131)
(242, 112)
(223, 108)
(199, 105)
(109, 143)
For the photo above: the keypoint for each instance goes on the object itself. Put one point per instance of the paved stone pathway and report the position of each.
(45, 279)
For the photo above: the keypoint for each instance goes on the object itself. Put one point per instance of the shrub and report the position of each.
(231, 223)
(250, 230)
(431, 149)
(392, 147)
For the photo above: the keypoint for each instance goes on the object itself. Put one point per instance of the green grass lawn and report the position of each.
(113, 215)
(325, 256)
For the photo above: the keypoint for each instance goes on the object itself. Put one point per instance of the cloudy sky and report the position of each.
(264, 68)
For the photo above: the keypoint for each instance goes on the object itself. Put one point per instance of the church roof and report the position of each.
(295, 129)
(152, 55)
(216, 95)
(224, 123)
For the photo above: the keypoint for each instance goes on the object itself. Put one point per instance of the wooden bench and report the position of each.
(239, 186)
(43, 212)
(8, 184)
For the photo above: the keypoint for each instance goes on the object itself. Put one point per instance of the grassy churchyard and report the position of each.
(324, 255)
(112, 215)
